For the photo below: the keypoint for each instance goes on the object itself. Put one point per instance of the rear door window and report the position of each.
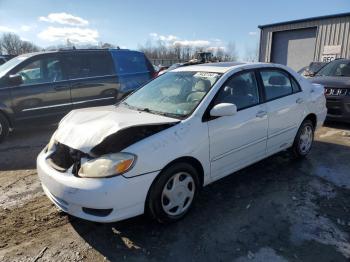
(89, 65)
(128, 62)
(276, 83)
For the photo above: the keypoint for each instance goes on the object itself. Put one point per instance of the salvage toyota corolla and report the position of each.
(156, 149)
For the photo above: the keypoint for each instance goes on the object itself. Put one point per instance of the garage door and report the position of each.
(294, 48)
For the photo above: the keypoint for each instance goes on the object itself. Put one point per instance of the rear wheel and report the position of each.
(4, 127)
(173, 193)
(303, 140)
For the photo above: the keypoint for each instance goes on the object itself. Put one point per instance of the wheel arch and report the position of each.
(192, 161)
(185, 159)
(3, 113)
(313, 118)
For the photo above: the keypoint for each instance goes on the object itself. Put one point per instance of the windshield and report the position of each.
(336, 68)
(4, 68)
(174, 94)
(316, 66)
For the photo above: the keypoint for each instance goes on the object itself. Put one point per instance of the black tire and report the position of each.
(298, 150)
(155, 200)
(4, 127)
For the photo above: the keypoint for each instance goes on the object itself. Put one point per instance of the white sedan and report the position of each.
(155, 150)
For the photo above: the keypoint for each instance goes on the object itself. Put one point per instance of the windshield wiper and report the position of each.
(147, 110)
(144, 110)
(173, 115)
(129, 106)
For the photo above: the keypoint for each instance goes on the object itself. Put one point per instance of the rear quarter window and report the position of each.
(130, 62)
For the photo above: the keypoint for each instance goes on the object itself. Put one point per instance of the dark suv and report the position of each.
(335, 77)
(41, 87)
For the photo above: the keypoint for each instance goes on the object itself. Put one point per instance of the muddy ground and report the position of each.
(275, 210)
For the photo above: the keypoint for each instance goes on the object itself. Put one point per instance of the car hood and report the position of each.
(331, 81)
(83, 129)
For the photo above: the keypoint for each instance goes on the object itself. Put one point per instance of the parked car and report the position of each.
(312, 69)
(2, 60)
(5, 58)
(155, 150)
(161, 68)
(45, 86)
(335, 77)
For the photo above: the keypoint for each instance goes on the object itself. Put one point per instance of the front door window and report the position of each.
(45, 70)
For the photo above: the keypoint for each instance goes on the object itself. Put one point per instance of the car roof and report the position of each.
(80, 50)
(220, 67)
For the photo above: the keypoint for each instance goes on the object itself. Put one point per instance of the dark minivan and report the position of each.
(43, 87)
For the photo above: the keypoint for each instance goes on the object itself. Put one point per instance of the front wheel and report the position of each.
(303, 140)
(173, 193)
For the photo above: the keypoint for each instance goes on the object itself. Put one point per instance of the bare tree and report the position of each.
(107, 45)
(28, 47)
(252, 53)
(11, 44)
(231, 52)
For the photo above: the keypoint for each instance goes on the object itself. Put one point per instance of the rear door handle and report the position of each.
(77, 85)
(299, 100)
(261, 114)
(61, 87)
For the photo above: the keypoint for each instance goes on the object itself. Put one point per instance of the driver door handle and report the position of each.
(299, 100)
(261, 113)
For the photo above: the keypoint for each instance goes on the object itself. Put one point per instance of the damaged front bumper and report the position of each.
(95, 199)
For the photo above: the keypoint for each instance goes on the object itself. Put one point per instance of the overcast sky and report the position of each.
(130, 23)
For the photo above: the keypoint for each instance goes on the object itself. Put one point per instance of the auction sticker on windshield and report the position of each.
(206, 74)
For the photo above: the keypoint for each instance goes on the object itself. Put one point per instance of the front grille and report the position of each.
(335, 91)
(65, 157)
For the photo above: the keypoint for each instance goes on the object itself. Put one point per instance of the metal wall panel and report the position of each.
(333, 31)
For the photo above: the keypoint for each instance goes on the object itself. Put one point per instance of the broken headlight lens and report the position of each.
(107, 165)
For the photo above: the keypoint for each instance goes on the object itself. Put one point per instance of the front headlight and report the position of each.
(107, 165)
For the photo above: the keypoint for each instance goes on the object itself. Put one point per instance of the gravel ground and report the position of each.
(275, 210)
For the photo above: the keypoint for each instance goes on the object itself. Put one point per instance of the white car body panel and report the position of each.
(222, 146)
(284, 118)
(237, 141)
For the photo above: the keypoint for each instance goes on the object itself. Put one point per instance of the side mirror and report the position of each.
(15, 80)
(223, 109)
(309, 73)
(312, 74)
